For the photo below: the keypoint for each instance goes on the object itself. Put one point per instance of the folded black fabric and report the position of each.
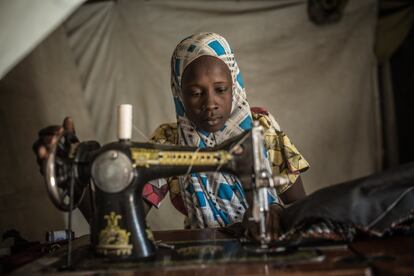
(380, 204)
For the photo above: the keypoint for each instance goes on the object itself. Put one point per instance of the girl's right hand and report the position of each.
(47, 138)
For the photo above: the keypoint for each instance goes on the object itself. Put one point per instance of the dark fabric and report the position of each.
(396, 18)
(375, 204)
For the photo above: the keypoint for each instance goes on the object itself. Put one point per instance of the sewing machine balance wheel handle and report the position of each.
(60, 171)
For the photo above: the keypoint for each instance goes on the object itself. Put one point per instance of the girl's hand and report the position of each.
(272, 223)
(48, 137)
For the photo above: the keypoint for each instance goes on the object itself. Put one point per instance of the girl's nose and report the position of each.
(210, 102)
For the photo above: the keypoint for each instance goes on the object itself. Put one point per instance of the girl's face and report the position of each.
(206, 87)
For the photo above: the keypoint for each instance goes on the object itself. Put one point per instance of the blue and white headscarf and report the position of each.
(211, 199)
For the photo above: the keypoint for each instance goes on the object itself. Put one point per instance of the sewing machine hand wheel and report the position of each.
(59, 172)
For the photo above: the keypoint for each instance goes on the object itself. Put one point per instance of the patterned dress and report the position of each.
(217, 199)
(285, 160)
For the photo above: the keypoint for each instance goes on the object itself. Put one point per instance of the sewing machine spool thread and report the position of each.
(124, 122)
(59, 236)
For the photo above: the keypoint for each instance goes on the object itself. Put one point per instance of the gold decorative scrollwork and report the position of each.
(150, 157)
(113, 240)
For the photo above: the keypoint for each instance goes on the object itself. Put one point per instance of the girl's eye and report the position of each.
(221, 89)
(195, 93)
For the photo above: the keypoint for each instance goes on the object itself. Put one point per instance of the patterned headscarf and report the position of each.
(211, 199)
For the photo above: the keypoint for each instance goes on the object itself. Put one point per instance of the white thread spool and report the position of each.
(124, 122)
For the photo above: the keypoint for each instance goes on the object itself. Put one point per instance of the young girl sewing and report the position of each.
(211, 107)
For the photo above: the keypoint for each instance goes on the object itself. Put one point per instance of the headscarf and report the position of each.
(211, 199)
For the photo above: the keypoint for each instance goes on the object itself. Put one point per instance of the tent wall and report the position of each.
(24, 24)
(318, 81)
(39, 91)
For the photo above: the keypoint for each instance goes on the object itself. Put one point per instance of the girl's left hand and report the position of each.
(272, 223)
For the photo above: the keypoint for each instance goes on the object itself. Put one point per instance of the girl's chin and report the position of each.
(212, 127)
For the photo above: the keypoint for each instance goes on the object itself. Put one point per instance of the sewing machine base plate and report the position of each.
(186, 254)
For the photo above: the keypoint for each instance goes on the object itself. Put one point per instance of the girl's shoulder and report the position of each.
(265, 119)
(165, 134)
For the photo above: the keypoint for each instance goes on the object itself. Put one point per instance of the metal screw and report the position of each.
(114, 155)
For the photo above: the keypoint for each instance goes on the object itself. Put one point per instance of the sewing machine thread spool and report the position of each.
(124, 122)
(59, 236)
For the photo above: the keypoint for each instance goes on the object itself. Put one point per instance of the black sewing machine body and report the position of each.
(116, 174)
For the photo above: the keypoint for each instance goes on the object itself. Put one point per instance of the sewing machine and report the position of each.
(117, 172)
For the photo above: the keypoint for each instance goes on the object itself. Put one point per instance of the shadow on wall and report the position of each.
(36, 93)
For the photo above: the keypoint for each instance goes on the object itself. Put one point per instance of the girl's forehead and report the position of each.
(205, 64)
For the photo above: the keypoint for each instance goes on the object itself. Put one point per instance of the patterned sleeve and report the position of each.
(175, 195)
(165, 134)
(155, 191)
(285, 157)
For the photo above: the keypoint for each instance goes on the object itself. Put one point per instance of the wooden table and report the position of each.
(390, 256)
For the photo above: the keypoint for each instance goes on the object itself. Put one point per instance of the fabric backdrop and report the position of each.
(318, 81)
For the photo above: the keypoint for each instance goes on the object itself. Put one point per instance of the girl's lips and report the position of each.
(213, 121)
